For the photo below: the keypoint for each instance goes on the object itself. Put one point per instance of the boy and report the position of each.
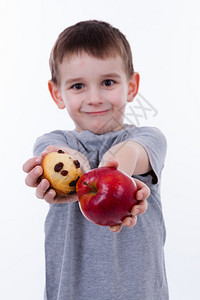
(93, 77)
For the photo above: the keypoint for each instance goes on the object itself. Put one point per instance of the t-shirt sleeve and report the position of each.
(154, 142)
(57, 138)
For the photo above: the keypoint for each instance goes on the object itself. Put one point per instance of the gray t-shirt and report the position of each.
(85, 261)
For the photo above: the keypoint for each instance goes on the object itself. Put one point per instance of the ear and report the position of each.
(55, 94)
(133, 86)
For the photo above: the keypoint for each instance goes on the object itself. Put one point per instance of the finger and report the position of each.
(140, 208)
(31, 163)
(49, 196)
(143, 190)
(33, 176)
(116, 228)
(130, 221)
(143, 193)
(42, 188)
(112, 163)
(49, 149)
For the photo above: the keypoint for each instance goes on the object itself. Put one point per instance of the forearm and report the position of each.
(131, 156)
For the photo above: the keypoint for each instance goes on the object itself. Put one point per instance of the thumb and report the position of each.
(111, 162)
(49, 149)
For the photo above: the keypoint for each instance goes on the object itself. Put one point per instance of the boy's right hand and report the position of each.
(43, 190)
(34, 169)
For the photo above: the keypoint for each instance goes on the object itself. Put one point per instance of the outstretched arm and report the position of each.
(131, 157)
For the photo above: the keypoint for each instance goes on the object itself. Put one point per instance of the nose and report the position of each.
(94, 97)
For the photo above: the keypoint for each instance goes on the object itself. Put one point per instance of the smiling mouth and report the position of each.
(97, 112)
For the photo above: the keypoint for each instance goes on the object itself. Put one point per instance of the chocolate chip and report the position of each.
(64, 173)
(58, 167)
(61, 151)
(74, 182)
(76, 163)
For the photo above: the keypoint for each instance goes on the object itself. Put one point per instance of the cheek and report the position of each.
(119, 98)
(72, 109)
(71, 105)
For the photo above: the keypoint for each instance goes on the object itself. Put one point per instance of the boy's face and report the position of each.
(94, 91)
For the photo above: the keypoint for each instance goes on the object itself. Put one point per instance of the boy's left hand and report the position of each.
(141, 195)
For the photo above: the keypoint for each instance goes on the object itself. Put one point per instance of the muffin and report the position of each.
(62, 171)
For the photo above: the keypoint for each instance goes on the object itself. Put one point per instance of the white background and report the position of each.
(165, 39)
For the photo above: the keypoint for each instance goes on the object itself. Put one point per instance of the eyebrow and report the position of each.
(111, 75)
(80, 79)
(72, 80)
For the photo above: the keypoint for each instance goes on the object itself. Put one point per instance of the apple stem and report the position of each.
(90, 186)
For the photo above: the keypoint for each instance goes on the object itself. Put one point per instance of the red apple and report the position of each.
(106, 195)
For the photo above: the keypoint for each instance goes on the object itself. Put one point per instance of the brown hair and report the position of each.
(96, 38)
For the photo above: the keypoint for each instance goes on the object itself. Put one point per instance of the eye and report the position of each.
(77, 86)
(108, 82)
